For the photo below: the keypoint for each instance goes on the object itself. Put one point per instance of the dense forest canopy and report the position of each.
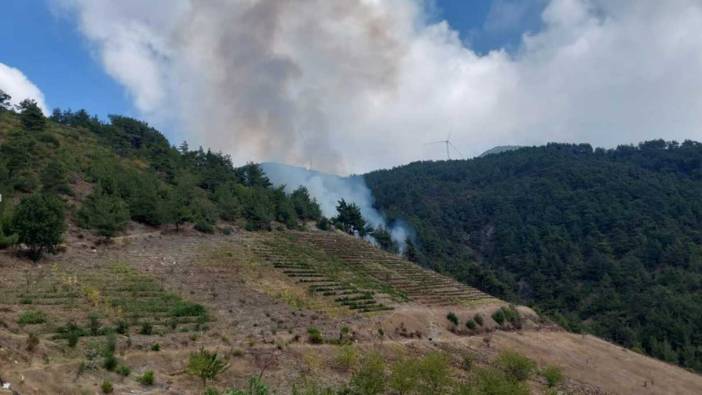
(604, 241)
(100, 175)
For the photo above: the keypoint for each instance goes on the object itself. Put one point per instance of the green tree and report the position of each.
(253, 176)
(31, 115)
(5, 101)
(54, 178)
(39, 223)
(434, 373)
(206, 365)
(106, 213)
(384, 239)
(349, 218)
(305, 206)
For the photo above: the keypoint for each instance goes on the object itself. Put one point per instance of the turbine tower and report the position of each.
(448, 145)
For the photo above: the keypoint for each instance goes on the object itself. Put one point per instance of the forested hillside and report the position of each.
(604, 241)
(71, 168)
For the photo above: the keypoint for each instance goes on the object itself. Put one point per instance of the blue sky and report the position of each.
(51, 52)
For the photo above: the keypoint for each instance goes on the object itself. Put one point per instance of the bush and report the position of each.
(499, 317)
(106, 387)
(71, 332)
(31, 317)
(451, 316)
(515, 365)
(206, 365)
(434, 373)
(493, 381)
(106, 213)
(346, 357)
(146, 328)
(39, 224)
(314, 336)
(404, 376)
(553, 375)
(93, 325)
(122, 327)
(32, 342)
(478, 318)
(109, 362)
(370, 377)
(185, 309)
(204, 227)
(155, 347)
(147, 378)
(470, 324)
(512, 315)
(123, 370)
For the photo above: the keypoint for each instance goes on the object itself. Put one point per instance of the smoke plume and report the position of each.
(347, 86)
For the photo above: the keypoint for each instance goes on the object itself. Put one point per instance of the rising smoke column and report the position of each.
(348, 86)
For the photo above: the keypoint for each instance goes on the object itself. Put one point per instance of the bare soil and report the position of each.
(258, 317)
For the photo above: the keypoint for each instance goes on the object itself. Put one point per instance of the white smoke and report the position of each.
(328, 189)
(16, 84)
(352, 85)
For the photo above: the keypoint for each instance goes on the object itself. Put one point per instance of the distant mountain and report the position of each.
(604, 241)
(500, 149)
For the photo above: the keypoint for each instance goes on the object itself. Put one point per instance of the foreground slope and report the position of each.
(253, 297)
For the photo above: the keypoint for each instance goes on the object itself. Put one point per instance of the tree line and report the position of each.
(603, 241)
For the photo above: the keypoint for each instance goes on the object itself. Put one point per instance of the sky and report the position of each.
(354, 85)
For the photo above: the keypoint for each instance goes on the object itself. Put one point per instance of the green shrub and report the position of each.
(106, 213)
(147, 378)
(186, 309)
(109, 362)
(451, 316)
(553, 375)
(478, 318)
(370, 377)
(470, 324)
(206, 365)
(492, 381)
(512, 315)
(93, 324)
(106, 387)
(123, 370)
(31, 317)
(346, 357)
(122, 327)
(146, 328)
(204, 227)
(499, 317)
(434, 373)
(404, 376)
(71, 332)
(155, 347)
(314, 336)
(515, 365)
(256, 387)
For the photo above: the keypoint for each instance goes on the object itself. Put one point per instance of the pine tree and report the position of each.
(31, 115)
(39, 224)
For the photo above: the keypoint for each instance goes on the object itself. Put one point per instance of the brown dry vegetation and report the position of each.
(261, 292)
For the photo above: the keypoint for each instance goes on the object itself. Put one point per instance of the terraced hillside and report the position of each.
(359, 276)
(113, 313)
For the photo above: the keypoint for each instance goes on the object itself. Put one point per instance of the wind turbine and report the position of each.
(448, 145)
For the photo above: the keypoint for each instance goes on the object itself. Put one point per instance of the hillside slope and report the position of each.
(259, 293)
(607, 242)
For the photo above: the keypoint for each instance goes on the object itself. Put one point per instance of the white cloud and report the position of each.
(16, 84)
(353, 85)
